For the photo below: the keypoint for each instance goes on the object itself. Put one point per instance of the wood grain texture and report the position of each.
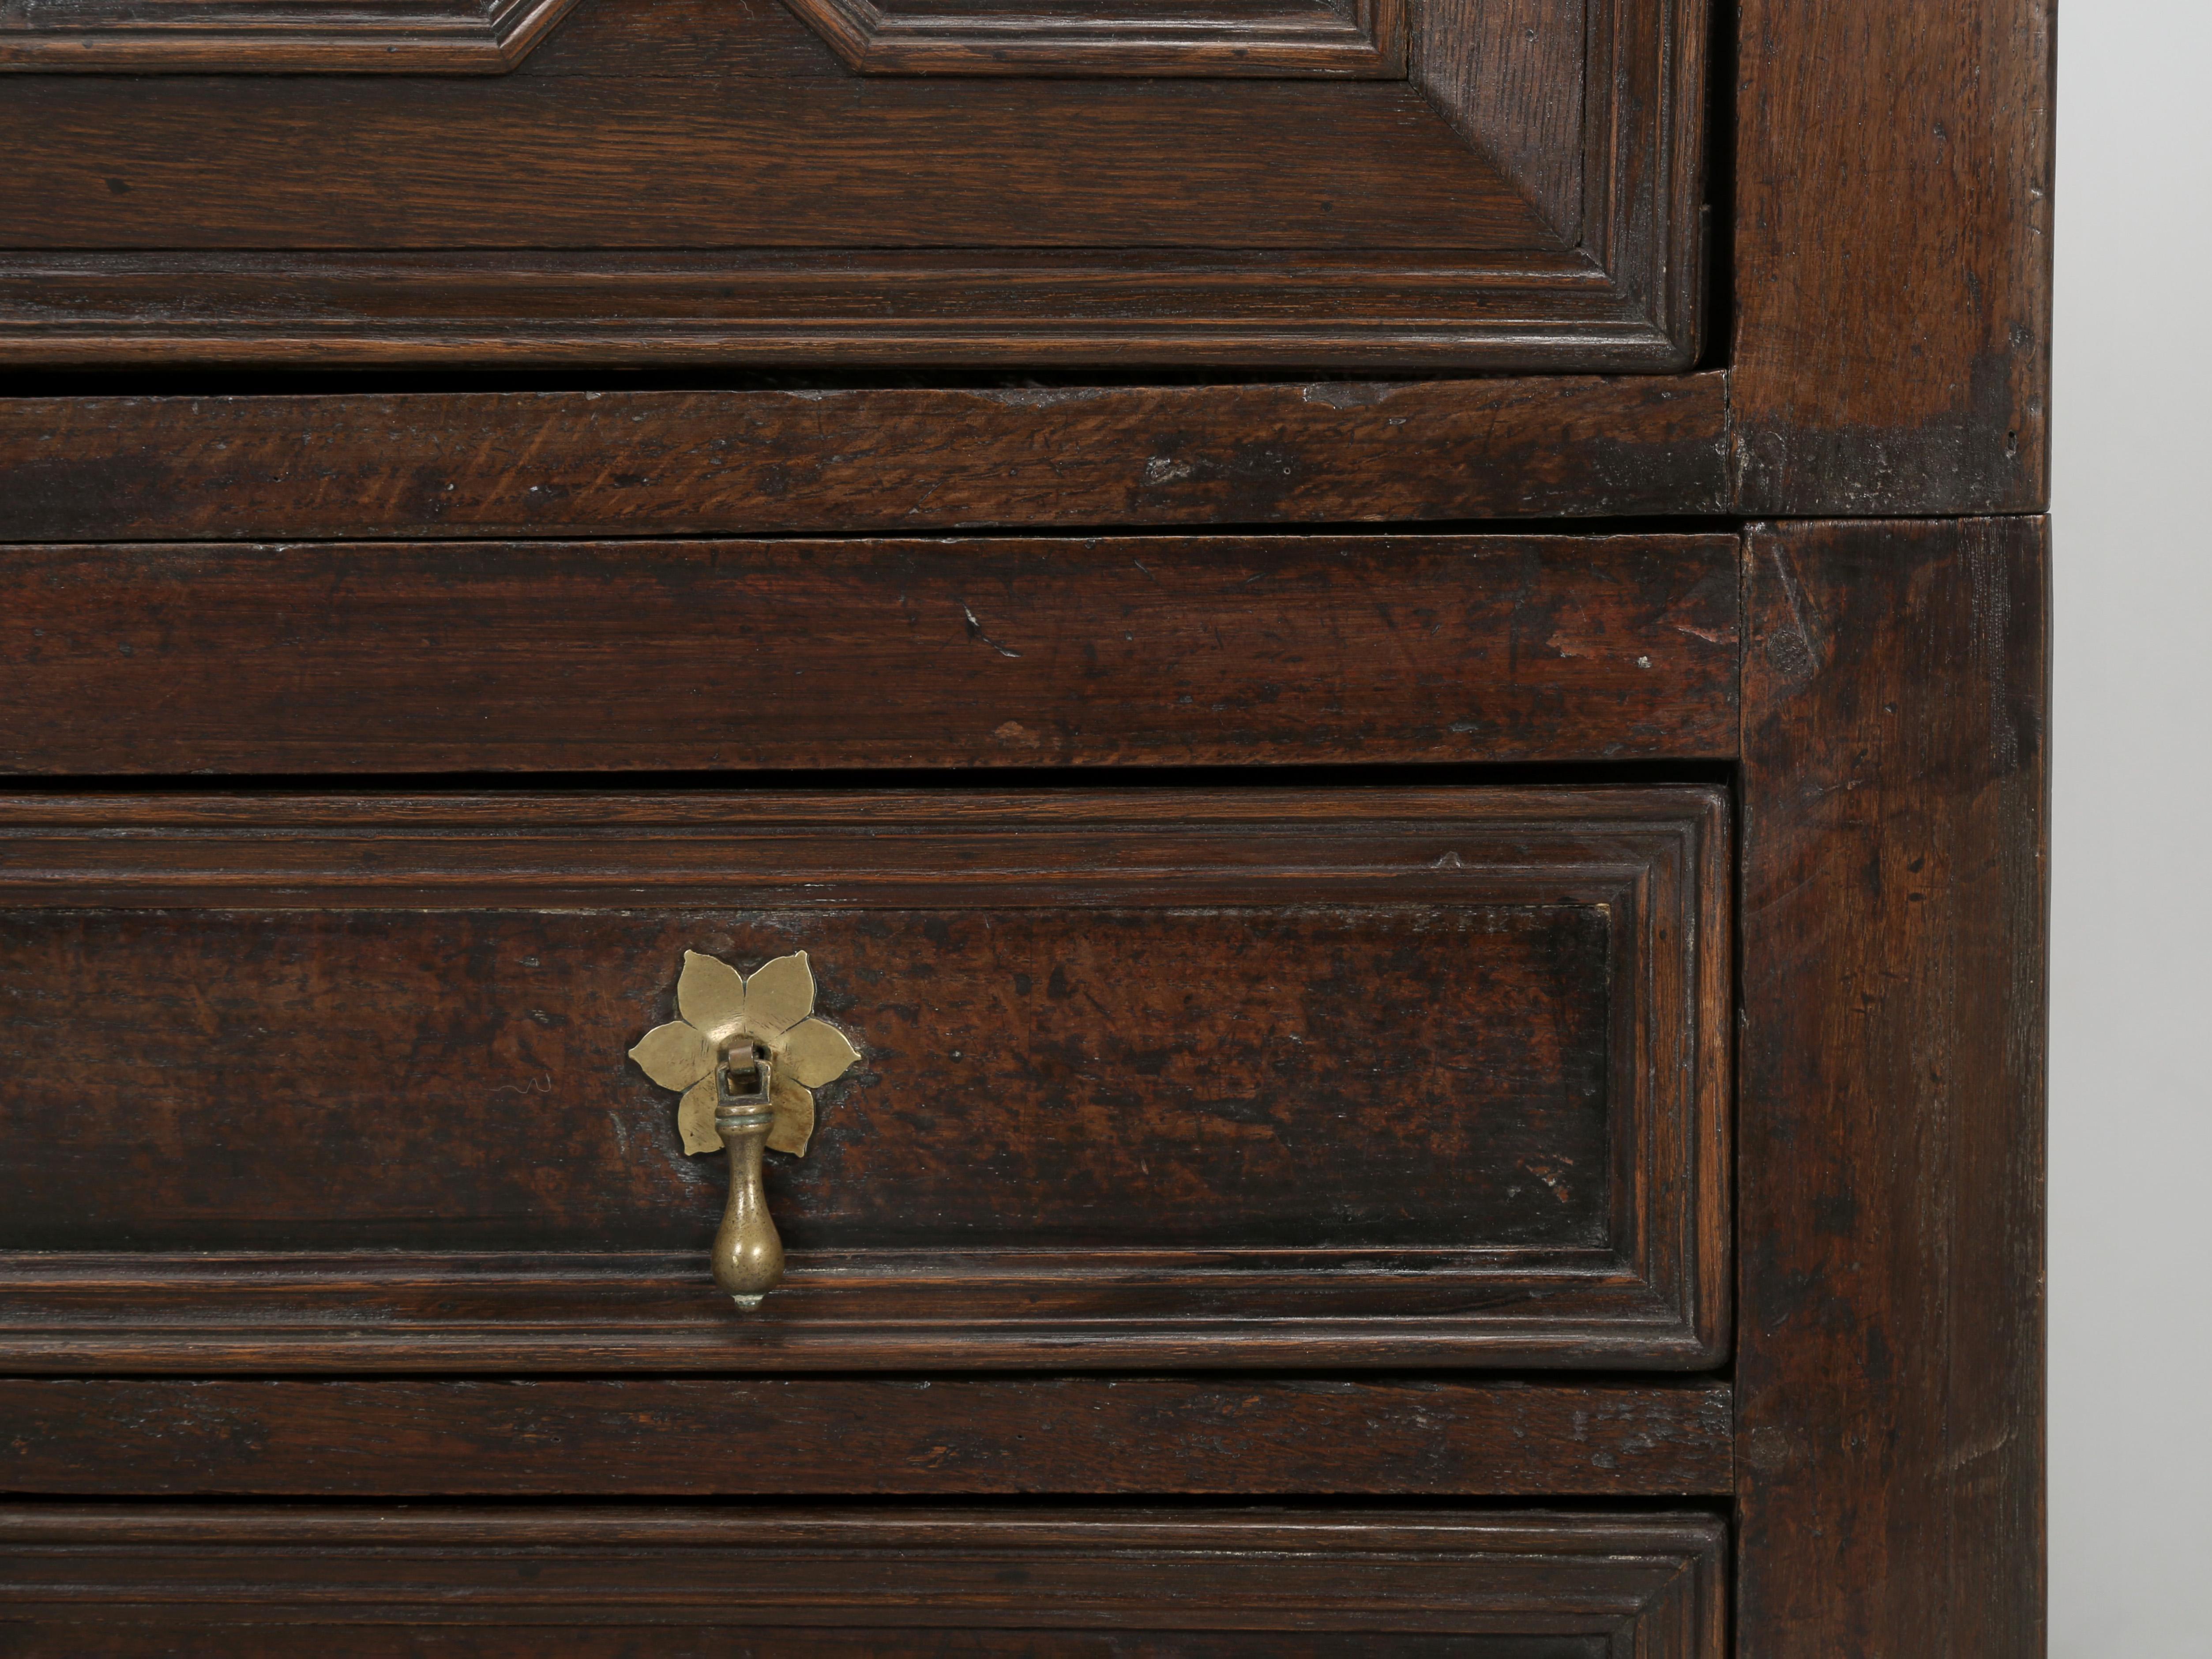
(1118, 1072)
(1513, 77)
(673, 183)
(1281, 38)
(778, 180)
(943, 1436)
(1893, 257)
(1891, 1146)
(1366, 1076)
(1068, 1585)
(740, 463)
(741, 656)
(273, 36)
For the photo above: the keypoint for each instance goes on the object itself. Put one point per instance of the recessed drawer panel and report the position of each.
(843, 1583)
(1481, 183)
(1355, 1077)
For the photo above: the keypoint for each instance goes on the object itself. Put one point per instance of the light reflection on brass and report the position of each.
(747, 1056)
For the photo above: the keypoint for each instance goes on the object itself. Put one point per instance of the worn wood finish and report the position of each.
(1081, 1584)
(742, 463)
(1891, 1144)
(273, 36)
(740, 656)
(1893, 256)
(689, 181)
(1228, 1067)
(1210, 1144)
(1364, 1077)
(887, 1436)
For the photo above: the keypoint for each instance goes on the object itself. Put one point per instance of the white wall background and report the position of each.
(2131, 938)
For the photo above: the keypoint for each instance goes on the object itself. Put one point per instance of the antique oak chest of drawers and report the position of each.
(920, 826)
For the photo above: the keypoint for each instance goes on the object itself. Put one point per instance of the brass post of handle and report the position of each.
(748, 1253)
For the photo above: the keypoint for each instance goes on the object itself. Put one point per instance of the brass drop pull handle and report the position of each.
(747, 1056)
(748, 1250)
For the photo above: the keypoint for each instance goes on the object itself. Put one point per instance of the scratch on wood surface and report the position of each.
(975, 632)
(1977, 1451)
(1795, 651)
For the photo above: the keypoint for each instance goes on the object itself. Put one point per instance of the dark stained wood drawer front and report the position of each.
(1020, 651)
(1242, 1435)
(1165, 1077)
(828, 1583)
(1482, 183)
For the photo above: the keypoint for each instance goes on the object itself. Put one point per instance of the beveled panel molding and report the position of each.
(274, 37)
(1272, 38)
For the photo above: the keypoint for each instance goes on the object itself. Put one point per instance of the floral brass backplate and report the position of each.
(773, 1005)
